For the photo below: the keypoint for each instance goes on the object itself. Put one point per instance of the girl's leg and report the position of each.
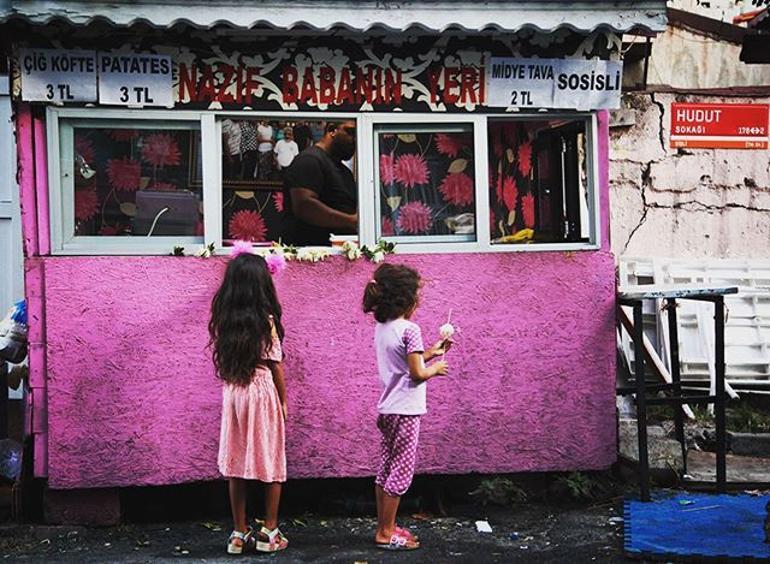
(386, 521)
(386, 524)
(401, 434)
(237, 490)
(272, 499)
(384, 425)
(269, 537)
(378, 493)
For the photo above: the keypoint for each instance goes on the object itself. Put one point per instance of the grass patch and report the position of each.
(745, 419)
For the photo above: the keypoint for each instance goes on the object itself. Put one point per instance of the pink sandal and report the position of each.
(399, 541)
(407, 533)
(275, 540)
(246, 542)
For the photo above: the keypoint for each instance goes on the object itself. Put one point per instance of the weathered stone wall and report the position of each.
(687, 60)
(723, 10)
(690, 203)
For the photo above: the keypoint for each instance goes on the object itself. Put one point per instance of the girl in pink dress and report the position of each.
(246, 335)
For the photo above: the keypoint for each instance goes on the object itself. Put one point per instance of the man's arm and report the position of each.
(306, 206)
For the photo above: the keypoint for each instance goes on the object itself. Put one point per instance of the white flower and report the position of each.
(203, 252)
(310, 254)
(353, 254)
(351, 249)
(378, 256)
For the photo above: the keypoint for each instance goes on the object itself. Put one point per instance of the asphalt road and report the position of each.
(532, 532)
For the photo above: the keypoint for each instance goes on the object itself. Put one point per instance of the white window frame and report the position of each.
(592, 186)
(216, 149)
(368, 190)
(418, 127)
(65, 243)
(61, 185)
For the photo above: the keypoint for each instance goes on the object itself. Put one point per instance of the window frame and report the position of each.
(594, 242)
(61, 188)
(215, 144)
(209, 124)
(419, 127)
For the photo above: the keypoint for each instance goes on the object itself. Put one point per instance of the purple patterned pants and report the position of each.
(398, 452)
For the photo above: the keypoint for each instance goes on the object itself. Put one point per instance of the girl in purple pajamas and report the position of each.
(392, 296)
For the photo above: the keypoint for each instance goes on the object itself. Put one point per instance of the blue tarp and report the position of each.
(694, 525)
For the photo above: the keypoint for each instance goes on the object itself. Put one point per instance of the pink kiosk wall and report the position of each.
(121, 372)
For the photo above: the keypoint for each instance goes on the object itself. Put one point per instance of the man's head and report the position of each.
(288, 133)
(339, 140)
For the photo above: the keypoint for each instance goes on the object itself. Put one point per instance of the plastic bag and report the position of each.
(13, 334)
(10, 459)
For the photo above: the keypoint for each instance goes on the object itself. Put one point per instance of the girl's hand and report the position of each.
(441, 347)
(440, 368)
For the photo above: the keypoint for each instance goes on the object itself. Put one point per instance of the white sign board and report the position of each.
(135, 80)
(57, 75)
(554, 83)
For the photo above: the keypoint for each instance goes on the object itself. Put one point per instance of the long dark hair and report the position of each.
(392, 292)
(240, 328)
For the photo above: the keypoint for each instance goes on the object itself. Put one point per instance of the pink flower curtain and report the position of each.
(426, 183)
(511, 183)
(110, 166)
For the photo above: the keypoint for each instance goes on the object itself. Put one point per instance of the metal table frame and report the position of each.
(634, 297)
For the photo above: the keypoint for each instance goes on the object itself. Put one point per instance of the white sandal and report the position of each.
(275, 540)
(239, 548)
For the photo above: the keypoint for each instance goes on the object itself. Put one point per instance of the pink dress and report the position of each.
(252, 438)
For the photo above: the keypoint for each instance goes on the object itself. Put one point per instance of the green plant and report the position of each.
(660, 413)
(746, 419)
(499, 490)
(579, 485)
(702, 415)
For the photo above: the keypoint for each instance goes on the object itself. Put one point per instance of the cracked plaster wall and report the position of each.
(685, 59)
(685, 203)
(723, 10)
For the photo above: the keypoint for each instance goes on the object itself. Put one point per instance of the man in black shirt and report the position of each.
(302, 135)
(320, 193)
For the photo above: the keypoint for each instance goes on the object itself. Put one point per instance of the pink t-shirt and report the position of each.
(401, 395)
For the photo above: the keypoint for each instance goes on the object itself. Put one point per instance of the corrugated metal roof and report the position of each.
(361, 16)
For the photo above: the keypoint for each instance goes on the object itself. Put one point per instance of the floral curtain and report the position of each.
(112, 165)
(511, 184)
(252, 215)
(426, 183)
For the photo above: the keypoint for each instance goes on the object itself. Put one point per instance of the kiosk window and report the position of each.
(425, 176)
(131, 181)
(128, 183)
(538, 181)
(256, 152)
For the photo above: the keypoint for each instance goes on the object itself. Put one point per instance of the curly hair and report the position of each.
(241, 326)
(392, 292)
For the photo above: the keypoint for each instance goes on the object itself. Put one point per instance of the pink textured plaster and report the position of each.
(132, 397)
(603, 142)
(35, 291)
(41, 188)
(26, 163)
